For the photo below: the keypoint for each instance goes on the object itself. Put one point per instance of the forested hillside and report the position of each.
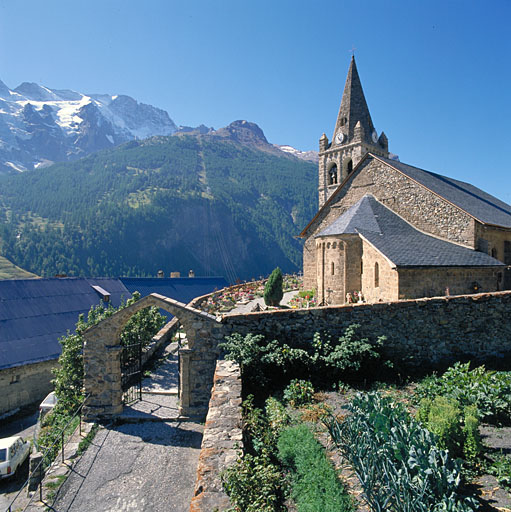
(172, 203)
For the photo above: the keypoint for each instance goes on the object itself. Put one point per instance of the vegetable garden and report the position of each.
(414, 444)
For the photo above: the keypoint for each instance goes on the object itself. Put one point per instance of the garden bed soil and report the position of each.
(492, 496)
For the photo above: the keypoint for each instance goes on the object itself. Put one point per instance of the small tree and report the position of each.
(273, 288)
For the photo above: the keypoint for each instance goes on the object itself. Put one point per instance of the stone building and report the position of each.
(393, 231)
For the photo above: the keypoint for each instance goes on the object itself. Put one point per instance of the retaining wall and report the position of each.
(433, 331)
(222, 435)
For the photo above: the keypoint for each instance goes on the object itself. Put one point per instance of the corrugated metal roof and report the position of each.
(35, 313)
(183, 289)
(399, 241)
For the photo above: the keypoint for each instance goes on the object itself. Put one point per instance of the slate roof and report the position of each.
(476, 202)
(183, 289)
(35, 313)
(399, 241)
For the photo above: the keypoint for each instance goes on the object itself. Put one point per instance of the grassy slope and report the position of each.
(10, 271)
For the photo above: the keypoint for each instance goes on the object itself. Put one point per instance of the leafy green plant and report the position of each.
(489, 391)
(457, 431)
(262, 362)
(349, 355)
(273, 288)
(49, 441)
(501, 469)
(314, 483)
(442, 417)
(472, 446)
(254, 482)
(278, 417)
(259, 438)
(299, 392)
(398, 462)
(87, 440)
(266, 364)
(143, 325)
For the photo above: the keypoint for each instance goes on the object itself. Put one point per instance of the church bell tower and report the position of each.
(354, 136)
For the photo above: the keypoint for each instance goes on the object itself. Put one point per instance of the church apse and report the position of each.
(338, 268)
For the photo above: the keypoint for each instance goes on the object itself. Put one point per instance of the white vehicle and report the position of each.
(13, 453)
(47, 405)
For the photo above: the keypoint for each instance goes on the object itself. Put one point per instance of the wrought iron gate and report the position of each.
(131, 373)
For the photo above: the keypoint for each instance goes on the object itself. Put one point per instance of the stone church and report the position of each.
(387, 231)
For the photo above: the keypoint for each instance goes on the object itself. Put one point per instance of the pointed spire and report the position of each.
(353, 109)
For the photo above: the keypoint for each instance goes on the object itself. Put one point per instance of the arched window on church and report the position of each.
(376, 275)
(349, 167)
(332, 175)
(333, 268)
(494, 253)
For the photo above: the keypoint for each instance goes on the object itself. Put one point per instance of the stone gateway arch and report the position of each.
(102, 366)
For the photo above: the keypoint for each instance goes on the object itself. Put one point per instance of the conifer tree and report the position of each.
(273, 288)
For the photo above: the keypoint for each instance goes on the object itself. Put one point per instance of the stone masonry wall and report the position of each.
(429, 282)
(24, 385)
(430, 331)
(388, 283)
(221, 438)
(495, 238)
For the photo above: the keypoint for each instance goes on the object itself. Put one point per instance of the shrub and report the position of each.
(259, 439)
(489, 391)
(299, 392)
(314, 482)
(349, 356)
(277, 416)
(273, 288)
(254, 484)
(143, 325)
(264, 362)
(271, 363)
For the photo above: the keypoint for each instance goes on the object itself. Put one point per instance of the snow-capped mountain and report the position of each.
(39, 125)
(310, 156)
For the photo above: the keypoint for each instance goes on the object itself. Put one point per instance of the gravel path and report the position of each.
(148, 462)
(247, 308)
(135, 467)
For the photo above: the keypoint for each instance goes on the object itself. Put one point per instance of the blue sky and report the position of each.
(436, 74)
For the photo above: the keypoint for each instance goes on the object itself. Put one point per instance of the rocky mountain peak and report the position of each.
(35, 92)
(243, 132)
(4, 90)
